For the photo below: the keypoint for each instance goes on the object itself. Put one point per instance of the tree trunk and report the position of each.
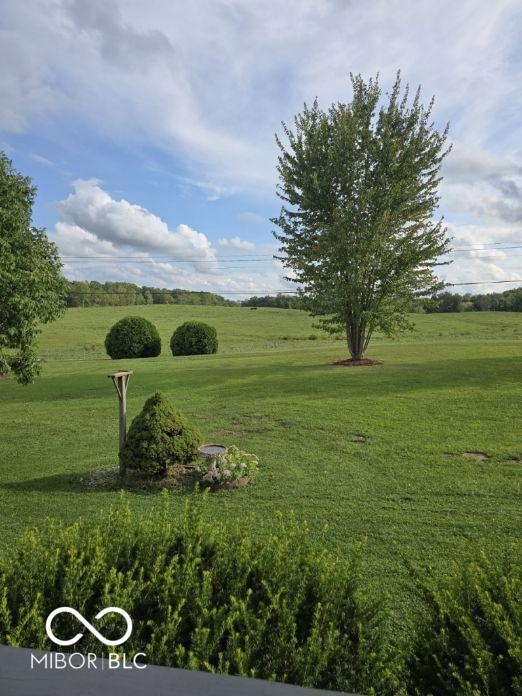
(355, 338)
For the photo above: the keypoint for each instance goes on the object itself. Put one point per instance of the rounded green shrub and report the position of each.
(194, 338)
(159, 436)
(133, 337)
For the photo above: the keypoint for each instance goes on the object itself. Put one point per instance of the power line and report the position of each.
(218, 268)
(487, 282)
(186, 259)
(482, 245)
(122, 261)
(153, 261)
(252, 258)
(169, 292)
(492, 256)
(485, 245)
(470, 250)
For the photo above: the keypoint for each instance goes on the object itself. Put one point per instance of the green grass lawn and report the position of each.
(451, 386)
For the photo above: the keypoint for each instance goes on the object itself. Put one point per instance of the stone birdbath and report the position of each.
(212, 451)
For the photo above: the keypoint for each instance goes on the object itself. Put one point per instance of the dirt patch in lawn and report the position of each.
(233, 433)
(350, 362)
(513, 460)
(477, 456)
(361, 439)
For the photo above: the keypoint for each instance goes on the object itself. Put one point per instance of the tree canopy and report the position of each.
(359, 189)
(32, 289)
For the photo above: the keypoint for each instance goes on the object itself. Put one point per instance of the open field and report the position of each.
(454, 385)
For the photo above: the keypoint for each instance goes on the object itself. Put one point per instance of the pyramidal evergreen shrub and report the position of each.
(133, 337)
(194, 338)
(158, 437)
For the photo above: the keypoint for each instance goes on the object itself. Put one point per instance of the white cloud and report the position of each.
(236, 243)
(212, 190)
(250, 217)
(24, 79)
(481, 255)
(128, 228)
(42, 160)
(210, 81)
(486, 186)
(99, 238)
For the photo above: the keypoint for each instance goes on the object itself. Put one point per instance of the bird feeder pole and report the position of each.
(121, 381)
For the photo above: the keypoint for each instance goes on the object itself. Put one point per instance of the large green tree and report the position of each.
(32, 289)
(359, 184)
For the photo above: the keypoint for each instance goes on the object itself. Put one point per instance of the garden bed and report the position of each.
(227, 485)
(177, 476)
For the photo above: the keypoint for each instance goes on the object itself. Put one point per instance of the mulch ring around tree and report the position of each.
(350, 362)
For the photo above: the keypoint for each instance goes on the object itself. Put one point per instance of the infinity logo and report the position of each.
(89, 626)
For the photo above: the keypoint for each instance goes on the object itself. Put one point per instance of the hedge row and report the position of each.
(136, 337)
(207, 597)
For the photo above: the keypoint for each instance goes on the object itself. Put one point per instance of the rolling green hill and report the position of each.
(374, 452)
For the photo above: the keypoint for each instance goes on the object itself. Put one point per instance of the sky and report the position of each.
(148, 128)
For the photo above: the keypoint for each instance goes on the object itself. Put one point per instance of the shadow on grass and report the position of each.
(335, 381)
(82, 483)
(315, 379)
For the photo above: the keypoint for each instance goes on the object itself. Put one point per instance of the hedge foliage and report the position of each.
(194, 338)
(201, 597)
(133, 337)
(470, 641)
(208, 597)
(159, 436)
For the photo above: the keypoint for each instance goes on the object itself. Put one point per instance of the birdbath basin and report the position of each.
(211, 451)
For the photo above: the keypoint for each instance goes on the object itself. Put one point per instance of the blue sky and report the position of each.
(148, 127)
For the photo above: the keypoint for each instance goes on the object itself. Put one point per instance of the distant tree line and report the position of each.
(84, 293)
(507, 301)
(280, 301)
